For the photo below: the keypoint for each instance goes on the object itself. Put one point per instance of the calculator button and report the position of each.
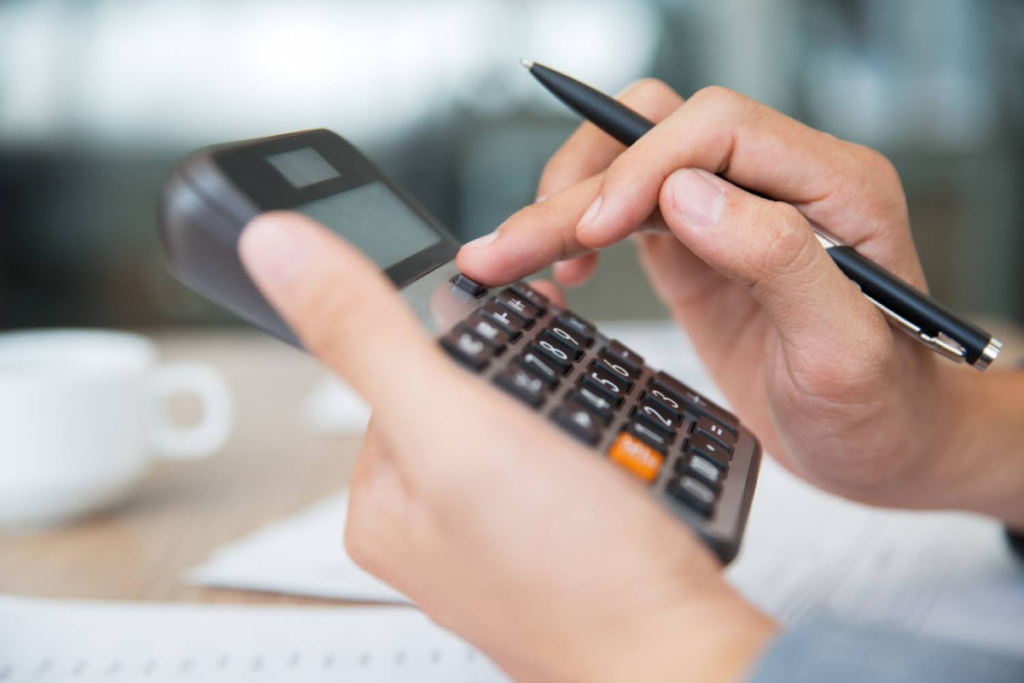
(584, 328)
(579, 422)
(518, 305)
(532, 295)
(568, 339)
(467, 348)
(474, 289)
(707, 427)
(505, 319)
(555, 355)
(634, 455)
(489, 331)
(693, 493)
(523, 385)
(601, 379)
(591, 385)
(654, 414)
(571, 353)
(702, 469)
(708, 449)
(541, 367)
(696, 403)
(625, 356)
(666, 399)
(622, 369)
(652, 437)
(592, 401)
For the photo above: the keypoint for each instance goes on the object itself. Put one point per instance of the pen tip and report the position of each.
(527, 64)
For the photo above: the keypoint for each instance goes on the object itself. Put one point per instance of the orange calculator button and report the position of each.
(634, 455)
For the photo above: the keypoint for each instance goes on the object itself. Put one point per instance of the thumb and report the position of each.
(826, 325)
(344, 310)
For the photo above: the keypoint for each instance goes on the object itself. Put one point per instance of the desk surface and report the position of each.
(272, 467)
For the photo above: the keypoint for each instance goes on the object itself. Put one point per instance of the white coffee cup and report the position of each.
(83, 416)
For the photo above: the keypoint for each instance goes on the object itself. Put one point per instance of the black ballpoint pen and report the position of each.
(907, 308)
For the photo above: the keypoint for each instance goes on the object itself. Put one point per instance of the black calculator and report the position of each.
(694, 455)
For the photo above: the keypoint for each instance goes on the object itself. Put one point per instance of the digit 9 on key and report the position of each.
(692, 455)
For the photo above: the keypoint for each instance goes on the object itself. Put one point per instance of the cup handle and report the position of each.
(211, 433)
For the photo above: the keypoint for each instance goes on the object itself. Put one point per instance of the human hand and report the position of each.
(496, 524)
(806, 360)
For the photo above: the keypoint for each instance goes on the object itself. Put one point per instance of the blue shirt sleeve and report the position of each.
(842, 652)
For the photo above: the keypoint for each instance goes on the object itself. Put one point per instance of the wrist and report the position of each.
(716, 639)
(983, 449)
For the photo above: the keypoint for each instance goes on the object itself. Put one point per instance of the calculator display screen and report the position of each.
(374, 220)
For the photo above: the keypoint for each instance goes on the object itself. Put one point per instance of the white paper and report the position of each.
(44, 640)
(301, 555)
(807, 553)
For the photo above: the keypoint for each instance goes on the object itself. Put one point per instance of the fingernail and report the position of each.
(590, 214)
(540, 198)
(273, 252)
(697, 199)
(481, 241)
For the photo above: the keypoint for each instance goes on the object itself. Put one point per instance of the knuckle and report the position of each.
(650, 90)
(720, 97)
(785, 242)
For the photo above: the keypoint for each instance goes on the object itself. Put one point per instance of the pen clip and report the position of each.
(940, 342)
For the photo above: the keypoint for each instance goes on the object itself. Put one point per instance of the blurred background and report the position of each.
(98, 99)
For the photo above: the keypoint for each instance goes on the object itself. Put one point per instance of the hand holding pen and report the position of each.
(803, 355)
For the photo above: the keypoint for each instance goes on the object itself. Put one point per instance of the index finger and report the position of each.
(531, 239)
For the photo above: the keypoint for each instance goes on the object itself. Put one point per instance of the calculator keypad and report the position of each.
(601, 392)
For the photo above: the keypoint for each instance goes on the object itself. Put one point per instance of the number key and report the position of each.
(522, 385)
(625, 356)
(560, 358)
(541, 367)
(605, 383)
(656, 416)
(584, 328)
(570, 338)
(467, 348)
(696, 403)
(624, 370)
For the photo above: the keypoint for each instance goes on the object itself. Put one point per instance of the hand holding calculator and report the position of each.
(693, 455)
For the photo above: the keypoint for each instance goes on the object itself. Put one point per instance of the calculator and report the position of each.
(693, 455)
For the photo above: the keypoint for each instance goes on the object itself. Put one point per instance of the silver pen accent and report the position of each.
(939, 343)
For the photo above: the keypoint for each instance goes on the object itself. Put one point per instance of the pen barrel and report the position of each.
(622, 123)
(909, 303)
